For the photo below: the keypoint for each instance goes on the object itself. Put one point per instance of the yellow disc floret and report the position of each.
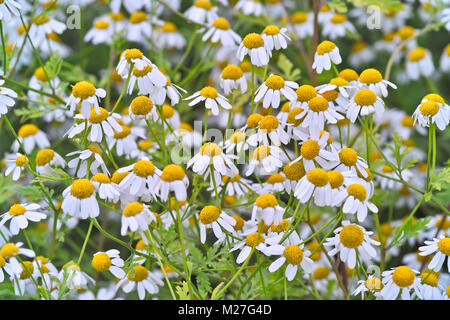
(444, 246)
(325, 47)
(210, 149)
(253, 239)
(351, 236)
(253, 40)
(293, 254)
(294, 171)
(310, 149)
(370, 76)
(209, 92)
(221, 23)
(130, 54)
(9, 250)
(321, 273)
(83, 90)
(44, 157)
(141, 105)
(82, 188)
(17, 210)
(268, 123)
(358, 191)
(429, 108)
(317, 177)
(132, 209)
(139, 273)
(417, 54)
(138, 17)
(253, 120)
(261, 152)
(365, 97)
(27, 130)
(348, 156)
(271, 30)
(318, 104)
(95, 117)
(172, 172)
(266, 200)
(403, 276)
(336, 179)
(144, 168)
(275, 82)
(209, 214)
(101, 178)
(101, 262)
(232, 72)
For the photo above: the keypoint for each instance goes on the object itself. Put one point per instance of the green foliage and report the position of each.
(287, 68)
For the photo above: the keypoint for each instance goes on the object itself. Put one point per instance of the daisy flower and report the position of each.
(249, 7)
(142, 108)
(19, 214)
(275, 38)
(47, 158)
(361, 54)
(105, 188)
(9, 251)
(318, 111)
(350, 240)
(6, 96)
(147, 78)
(372, 285)
(350, 161)
(432, 109)
(304, 94)
(139, 27)
(80, 200)
(269, 127)
(80, 164)
(169, 37)
(400, 280)
(212, 99)
(444, 61)
(44, 269)
(272, 89)
(171, 116)
(326, 53)
(274, 183)
(74, 278)
(267, 209)
(131, 57)
(169, 90)
(202, 11)
(136, 216)
(314, 185)
(253, 45)
(141, 278)
(232, 77)
(293, 172)
(173, 178)
(101, 32)
(30, 136)
(142, 179)
(211, 154)
(212, 217)
(253, 240)
(337, 26)
(293, 254)
(440, 248)
(109, 261)
(234, 185)
(419, 63)
(302, 23)
(43, 25)
(8, 9)
(21, 277)
(355, 200)
(373, 80)
(99, 123)
(16, 166)
(266, 158)
(85, 93)
(363, 103)
(125, 141)
(428, 287)
(220, 31)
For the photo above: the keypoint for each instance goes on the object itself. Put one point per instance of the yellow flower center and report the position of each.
(358, 191)
(253, 239)
(275, 82)
(429, 108)
(370, 76)
(27, 270)
(406, 32)
(204, 4)
(317, 177)
(358, 46)
(101, 24)
(133, 54)
(141, 105)
(321, 273)
(325, 47)
(116, 17)
(172, 172)
(221, 23)
(445, 225)
(293, 254)
(271, 30)
(338, 18)
(138, 17)
(266, 200)
(408, 122)
(237, 137)
(42, 21)
(318, 104)
(144, 168)
(365, 97)
(138, 274)
(275, 178)
(40, 74)
(253, 40)
(209, 214)
(294, 171)
(387, 169)
(305, 93)
(232, 72)
(330, 95)
(21, 161)
(373, 284)
(44, 156)
(122, 134)
(17, 210)
(261, 152)
(82, 188)
(430, 277)
(239, 223)
(94, 149)
(336, 179)
(281, 227)
(169, 27)
(348, 74)
(253, 120)
(348, 156)
(95, 117)
(417, 54)
(403, 276)
(101, 262)
(292, 114)
(444, 246)
(388, 37)
(299, 17)
(27, 130)
(83, 90)
(351, 236)
(101, 178)
(210, 149)
(434, 97)
(310, 149)
(268, 123)
(246, 66)
(2, 261)
(314, 246)
(339, 81)
(132, 209)
(140, 73)
(9, 250)
(209, 92)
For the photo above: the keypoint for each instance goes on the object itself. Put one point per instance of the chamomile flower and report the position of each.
(253, 45)
(100, 123)
(314, 185)
(101, 32)
(131, 57)
(169, 37)
(250, 7)
(269, 127)
(212, 99)
(170, 91)
(105, 188)
(419, 63)
(304, 94)
(85, 93)
(350, 160)
(211, 154)
(220, 31)
(252, 240)
(373, 80)
(72, 275)
(444, 61)
(386, 183)
(232, 77)
(136, 216)
(363, 103)
(271, 90)
(293, 172)
(275, 38)
(21, 278)
(212, 217)
(428, 287)
(109, 261)
(372, 285)
(267, 209)
(318, 111)
(400, 280)
(293, 254)
(351, 240)
(202, 11)
(146, 79)
(20, 214)
(171, 116)
(43, 25)
(80, 200)
(302, 23)
(124, 141)
(326, 53)
(16, 166)
(48, 158)
(8, 9)
(173, 178)
(141, 278)
(6, 97)
(44, 269)
(440, 248)
(30, 135)
(10, 251)
(80, 164)
(142, 108)
(139, 27)
(266, 158)
(337, 26)
(432, 109)
(234, 185)
(356, 200)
